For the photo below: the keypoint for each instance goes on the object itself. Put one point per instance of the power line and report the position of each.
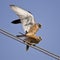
(35, 47)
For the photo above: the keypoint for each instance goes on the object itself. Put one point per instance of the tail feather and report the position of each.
(27, 47)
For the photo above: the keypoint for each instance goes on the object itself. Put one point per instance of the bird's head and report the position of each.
(39, 25)
(39, 39)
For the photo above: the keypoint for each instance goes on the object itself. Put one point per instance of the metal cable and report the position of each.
(35, 47)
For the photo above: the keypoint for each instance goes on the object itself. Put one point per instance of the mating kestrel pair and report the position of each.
(29, 25)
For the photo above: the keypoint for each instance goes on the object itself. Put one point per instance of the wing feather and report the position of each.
(26, 18)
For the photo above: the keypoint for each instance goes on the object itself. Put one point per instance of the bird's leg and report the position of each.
(22, 35)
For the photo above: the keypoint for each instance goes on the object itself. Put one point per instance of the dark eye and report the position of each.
(39, 25)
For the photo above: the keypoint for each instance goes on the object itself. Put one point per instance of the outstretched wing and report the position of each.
(26, 18)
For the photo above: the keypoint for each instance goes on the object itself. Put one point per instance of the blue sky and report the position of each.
(46, 12)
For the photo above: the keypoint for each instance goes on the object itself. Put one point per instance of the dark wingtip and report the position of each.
(29, 12)
(11, 5)
(16, 21)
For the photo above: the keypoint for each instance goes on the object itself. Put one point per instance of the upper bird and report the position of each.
(25, 17)
(27, 20)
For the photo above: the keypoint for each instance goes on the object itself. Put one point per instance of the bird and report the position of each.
(30, 27)
(31, 41)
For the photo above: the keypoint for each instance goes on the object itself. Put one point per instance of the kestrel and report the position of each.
(29, 25)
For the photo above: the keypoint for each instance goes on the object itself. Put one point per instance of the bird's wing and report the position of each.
(26, 17)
